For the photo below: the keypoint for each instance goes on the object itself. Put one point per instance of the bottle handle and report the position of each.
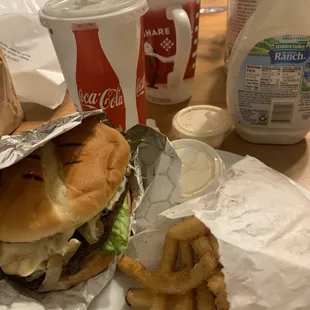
(183, 44)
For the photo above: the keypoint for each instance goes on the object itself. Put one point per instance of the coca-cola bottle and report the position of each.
(97, 83)
(140, 86)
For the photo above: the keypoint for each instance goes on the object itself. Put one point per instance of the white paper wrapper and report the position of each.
(261, 220)
(149, 198)
(31, 57)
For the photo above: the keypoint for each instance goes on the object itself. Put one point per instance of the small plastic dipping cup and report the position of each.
(99, 45)
(201, 168)
(203, 122)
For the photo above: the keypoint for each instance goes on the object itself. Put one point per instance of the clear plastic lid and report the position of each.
(202, 121)
(92, 8)
(201, 165)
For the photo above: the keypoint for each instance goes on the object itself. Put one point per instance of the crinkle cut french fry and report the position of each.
(169, 256)
(167, 264)
(139, 298)
(187, 230)
(205, 243)
(205, 298)
(174, 283)
(158, 302)
(202, 245)
(185, 301)
(186, 255)
(215, 245)
(221, 301)
(216, 283)
(217, 286)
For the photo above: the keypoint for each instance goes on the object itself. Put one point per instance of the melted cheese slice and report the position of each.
(117, 195)
(25, 258)
(90, 230)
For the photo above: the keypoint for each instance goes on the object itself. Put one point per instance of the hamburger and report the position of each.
(65, 208)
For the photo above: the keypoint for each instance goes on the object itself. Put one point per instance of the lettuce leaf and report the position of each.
(118, 238)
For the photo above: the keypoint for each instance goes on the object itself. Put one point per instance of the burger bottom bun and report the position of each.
(92, 265)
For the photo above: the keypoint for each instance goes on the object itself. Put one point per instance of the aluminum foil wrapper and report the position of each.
(154, 187)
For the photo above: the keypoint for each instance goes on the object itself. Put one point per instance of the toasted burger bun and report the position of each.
(92, 265)
(62, 185)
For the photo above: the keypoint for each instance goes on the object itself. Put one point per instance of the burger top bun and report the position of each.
(62, 185)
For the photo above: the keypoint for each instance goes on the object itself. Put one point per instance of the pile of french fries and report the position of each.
(188, 277)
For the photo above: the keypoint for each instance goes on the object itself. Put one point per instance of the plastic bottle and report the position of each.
(239, 11)
(267, 86)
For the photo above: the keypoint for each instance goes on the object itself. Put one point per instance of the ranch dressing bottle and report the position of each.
(239, 11)
(268, 90)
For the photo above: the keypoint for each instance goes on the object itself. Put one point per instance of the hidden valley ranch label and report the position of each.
(274, 83)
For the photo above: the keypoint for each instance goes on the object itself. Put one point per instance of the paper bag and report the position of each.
(11, 113)
(32, 60)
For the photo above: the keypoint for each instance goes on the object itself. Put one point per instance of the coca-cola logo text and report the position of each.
(109, 99)
(140, 86)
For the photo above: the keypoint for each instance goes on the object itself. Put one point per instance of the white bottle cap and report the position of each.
(201, 166)
(203, 122)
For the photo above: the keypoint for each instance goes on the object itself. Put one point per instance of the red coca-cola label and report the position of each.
(140, 84)
(160, 39)
(97, 83)
(109, 99)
